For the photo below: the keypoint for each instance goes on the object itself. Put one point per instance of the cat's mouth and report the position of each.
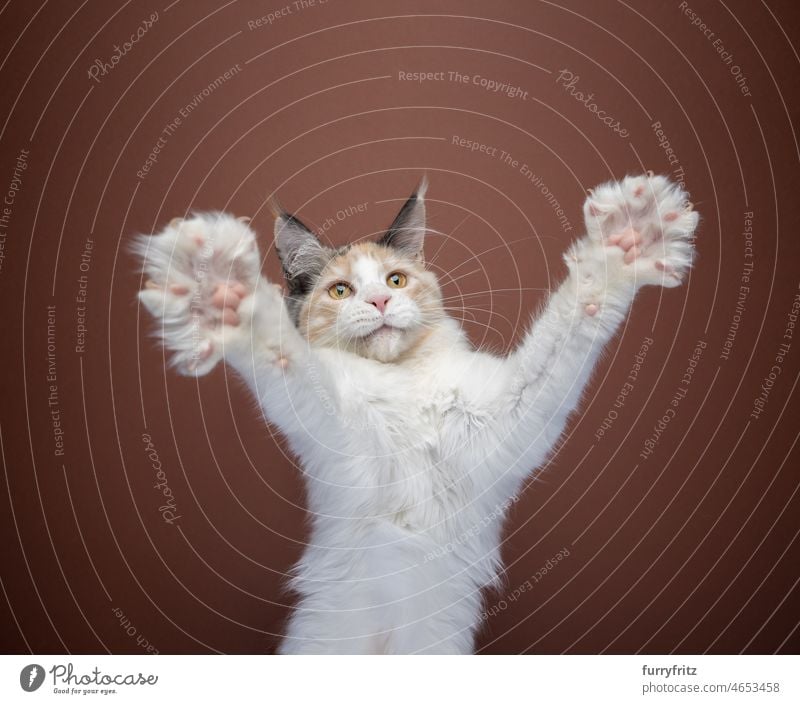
(384, 329)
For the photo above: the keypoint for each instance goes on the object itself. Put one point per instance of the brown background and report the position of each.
(692, 550)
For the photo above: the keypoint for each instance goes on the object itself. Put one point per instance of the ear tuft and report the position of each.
(302, 255)
(407, 232)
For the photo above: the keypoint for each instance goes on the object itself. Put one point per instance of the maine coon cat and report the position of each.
(412, 442)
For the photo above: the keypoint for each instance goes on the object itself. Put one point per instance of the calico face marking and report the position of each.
(375, 299)
(303, 258)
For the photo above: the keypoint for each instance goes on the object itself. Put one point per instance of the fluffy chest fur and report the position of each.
(416, 438)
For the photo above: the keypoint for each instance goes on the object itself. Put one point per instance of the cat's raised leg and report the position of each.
(210, 302)
(639, 232)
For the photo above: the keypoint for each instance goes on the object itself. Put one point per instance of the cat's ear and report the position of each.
(302, 255)
(407, 232)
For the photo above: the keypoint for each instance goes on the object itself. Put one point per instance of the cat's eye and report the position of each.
(396, 280)
(340, 290)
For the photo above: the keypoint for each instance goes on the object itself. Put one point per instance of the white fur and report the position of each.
(410, 466)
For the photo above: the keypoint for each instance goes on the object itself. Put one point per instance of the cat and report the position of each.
(413, 444)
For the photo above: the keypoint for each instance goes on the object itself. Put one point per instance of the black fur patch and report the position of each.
(302, 283)
(399, 224)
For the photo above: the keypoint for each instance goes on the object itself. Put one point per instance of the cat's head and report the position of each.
(375, 299)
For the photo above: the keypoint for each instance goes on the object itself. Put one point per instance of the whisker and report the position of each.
(463, 276)
(499, 333)
(446, 237)
(473, 294)
(476, 255)
(484, 310)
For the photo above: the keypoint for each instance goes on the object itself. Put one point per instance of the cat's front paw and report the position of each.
(651, 220)
(199, 271)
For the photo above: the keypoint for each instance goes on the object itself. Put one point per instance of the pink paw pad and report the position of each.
(625, 239)
(227, 297)
(629, 241)
(230, 317)
(631, 254)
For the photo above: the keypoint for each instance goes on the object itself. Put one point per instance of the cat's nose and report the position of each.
(379, 301)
